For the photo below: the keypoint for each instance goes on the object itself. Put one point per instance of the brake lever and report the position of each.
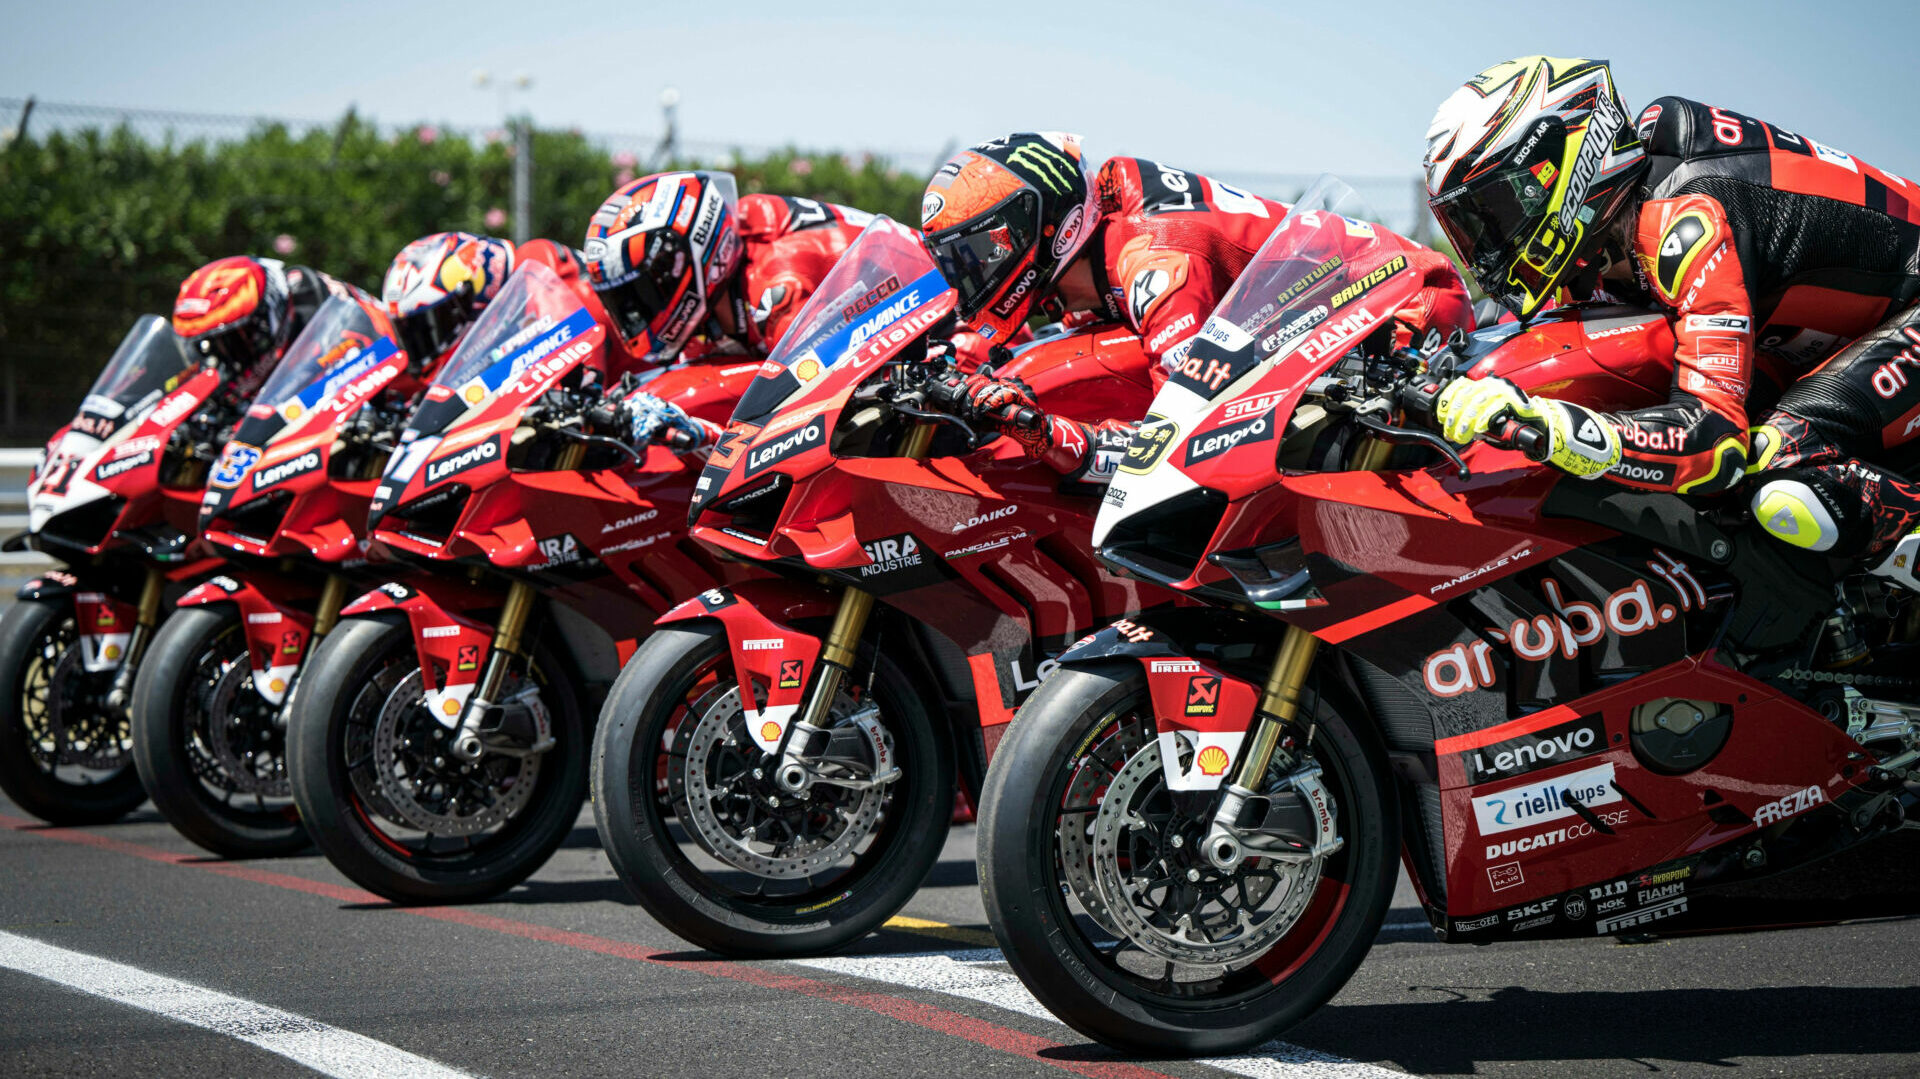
(1396, 433)
(973, 436)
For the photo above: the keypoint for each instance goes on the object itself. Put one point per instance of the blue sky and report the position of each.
(1242, 87)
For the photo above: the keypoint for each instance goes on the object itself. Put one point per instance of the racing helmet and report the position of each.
(439, 283)
(656, 249)
(235, 311)
(1004, 220)
(1528, 165)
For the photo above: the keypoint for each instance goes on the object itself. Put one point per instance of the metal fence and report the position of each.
(1399, 201)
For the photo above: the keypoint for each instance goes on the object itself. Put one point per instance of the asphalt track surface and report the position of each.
(126, 951)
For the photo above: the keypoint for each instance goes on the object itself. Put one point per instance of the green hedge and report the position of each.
(99, 226)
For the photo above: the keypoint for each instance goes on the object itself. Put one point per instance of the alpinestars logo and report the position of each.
(890, 554)
(476, 454)
(1045, 165)
(1146, 288)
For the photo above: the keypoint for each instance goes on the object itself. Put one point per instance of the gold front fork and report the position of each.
(326, 613)
(146, 617)
(1279, 707)
(842, 646)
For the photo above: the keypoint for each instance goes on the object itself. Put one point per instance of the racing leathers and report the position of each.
(790, 244)
(1168, 246)
(1770, 251)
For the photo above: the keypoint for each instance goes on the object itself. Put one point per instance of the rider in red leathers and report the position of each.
(687, 270)
(1016, 227)
(1790, 271)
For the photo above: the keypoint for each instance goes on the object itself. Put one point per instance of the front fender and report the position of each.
(1201, 712)
(456, 644)
(769, 655)
(277, 631)
(51, 584)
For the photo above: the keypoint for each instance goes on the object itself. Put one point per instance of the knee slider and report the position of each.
(1792, 511)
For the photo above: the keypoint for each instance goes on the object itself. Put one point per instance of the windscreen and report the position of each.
(883, 276)
(150, 361)
(533, 301)
(1308, 281)
(339, 344)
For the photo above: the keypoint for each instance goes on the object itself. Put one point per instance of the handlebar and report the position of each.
(1523, 435)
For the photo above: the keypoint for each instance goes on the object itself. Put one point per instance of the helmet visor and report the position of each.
(427, 332)
(637, 299)
(979, 257)
(1492, 217)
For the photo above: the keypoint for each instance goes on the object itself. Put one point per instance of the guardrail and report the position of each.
(15, 466)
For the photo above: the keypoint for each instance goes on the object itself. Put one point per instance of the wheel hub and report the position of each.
(430, 787)
(738, 809)
(247, 748)
(79, 730)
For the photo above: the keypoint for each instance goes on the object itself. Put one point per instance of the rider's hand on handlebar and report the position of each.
(1571, 437)
(657, 421)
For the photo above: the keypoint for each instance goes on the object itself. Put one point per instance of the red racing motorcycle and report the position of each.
(116, 499)
(775, 767)
(438, 747)
(287, 505)
(1569, 708)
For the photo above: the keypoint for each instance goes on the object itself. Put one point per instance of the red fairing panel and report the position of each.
(775, 659)
(277, 632)
(444, 641)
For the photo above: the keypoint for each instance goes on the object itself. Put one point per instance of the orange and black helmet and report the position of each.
(1004, 220)
(657, 249)
(235, 310)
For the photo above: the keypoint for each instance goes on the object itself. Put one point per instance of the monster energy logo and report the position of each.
(1053, 169)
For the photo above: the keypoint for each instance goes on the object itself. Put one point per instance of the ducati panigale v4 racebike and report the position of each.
(438, 748)
(1573, 709)
(774, 771)
(115, 499)
(287, 506)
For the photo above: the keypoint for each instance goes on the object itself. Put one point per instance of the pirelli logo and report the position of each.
(1371, 281)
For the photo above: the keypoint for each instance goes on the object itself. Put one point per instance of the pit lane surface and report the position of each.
(208, 966)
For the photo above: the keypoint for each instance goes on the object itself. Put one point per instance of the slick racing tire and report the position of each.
(388, 803)
(1087, 738)
(54, 709)
(764, 904)
(208, 746)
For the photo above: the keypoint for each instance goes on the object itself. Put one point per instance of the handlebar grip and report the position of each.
(677, 439)
(1021, 417)
(1528, 438)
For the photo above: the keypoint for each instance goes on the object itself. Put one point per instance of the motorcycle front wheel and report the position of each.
(64, 756)
(209, 747)
(1097, 887)
(388, 801)
(693, 821)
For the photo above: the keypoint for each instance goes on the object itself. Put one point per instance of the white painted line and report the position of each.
(971, 975)
(327, 1050)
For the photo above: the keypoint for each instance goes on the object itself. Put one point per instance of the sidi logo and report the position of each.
(1791, 806)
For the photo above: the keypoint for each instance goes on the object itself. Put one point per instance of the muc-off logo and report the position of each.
(1213, 443)
(477, 454)
(286, 470)
(764, 456)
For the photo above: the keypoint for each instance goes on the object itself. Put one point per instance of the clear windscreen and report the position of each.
(885, 274)
(1304, 271)
(533, 301)
(149, 362)
(341, 342)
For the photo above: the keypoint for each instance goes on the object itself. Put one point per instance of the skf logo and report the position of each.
(1212, 760)
(789, 674)
(290, 643)
(467, 658)
(1203, 699)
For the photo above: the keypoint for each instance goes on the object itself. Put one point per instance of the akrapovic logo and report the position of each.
(768, 454)
(476, 454)
(288, 469)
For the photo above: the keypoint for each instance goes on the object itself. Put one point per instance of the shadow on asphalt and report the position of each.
(1704, 1026)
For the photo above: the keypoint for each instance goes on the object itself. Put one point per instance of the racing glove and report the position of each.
(656, 421)
(1580, 441)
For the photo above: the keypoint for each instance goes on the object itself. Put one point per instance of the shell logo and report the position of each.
(769, 731)
(450, 707)
(1212, 761)
(293, 411)
(473, 393)
(111, 651)
(807, 370)
(278, 685)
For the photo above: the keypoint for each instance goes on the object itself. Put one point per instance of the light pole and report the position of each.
(522, 129)
(670, 139)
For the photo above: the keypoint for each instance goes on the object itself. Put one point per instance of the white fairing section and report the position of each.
(74, 457)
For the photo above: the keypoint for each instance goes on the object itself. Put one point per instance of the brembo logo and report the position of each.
(764, 456)
(460, 462)
(286, 470)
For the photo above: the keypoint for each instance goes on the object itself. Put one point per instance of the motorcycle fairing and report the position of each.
(106, 626)
(771, 657)
(453, 644)
(51, 584)
(277, 631)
